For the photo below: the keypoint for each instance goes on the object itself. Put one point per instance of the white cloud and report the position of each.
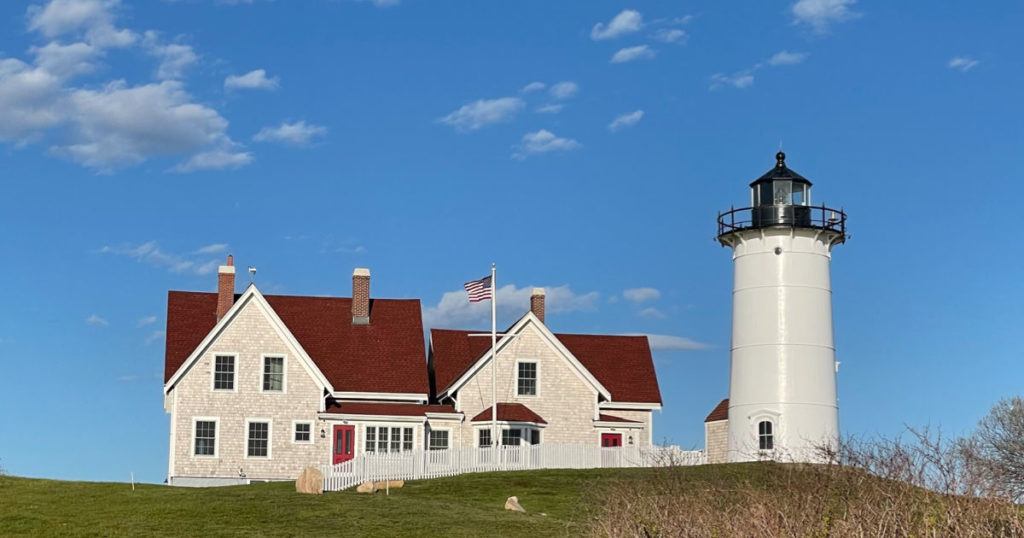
(66, 60)
(785, 57)
(550, 108)
(174, 58)
(483, 112)
(742, 79)
(962, 63)
(641, 295)
(670, 35)
(111, 125)
(378, 3)
(626, 22)
(96, 321)
(150, 253)
(154, 336)
(298, 133)
(455, 310)
(651, 312)
(820, 14)
(564, 90)
(543, 141)
(121, 125)
(626, 120)
(215, 159)
(212, 248)
(533, 87)
(29, 99)
(256, 79)
(92, 19)
(665, 342)
(629, 54)
(145, 320)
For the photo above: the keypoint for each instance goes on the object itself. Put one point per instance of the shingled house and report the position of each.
(260, 386)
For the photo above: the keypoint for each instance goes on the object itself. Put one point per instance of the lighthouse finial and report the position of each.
(780, 159)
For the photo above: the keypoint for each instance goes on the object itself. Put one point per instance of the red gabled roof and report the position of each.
(623, 364)
(720, 412)
(609, 418)
(387, 355)
(511, 412)
(387, 409)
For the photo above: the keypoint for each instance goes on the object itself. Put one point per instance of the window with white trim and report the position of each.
(258, 440)
(224, 372)
(766, 435)
(206, 438)
(533, 435)
(438, 440)
(526, 379)
(273, 374)
(303, 432)
(511, 437)
(484, 437)
(385, 439)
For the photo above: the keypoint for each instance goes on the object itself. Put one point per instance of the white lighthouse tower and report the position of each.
(782, 388)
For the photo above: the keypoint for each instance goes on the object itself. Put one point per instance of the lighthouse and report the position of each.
(782, 389)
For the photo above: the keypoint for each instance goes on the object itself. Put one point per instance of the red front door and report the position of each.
(609, 440)
(344, 443)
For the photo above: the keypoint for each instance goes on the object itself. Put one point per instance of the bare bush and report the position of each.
(920, 485)
(996, 450)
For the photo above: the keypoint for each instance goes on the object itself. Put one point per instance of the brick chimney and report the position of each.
(225, 287)
(361, 296)
(537, 303)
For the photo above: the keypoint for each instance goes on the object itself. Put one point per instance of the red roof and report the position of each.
(511, 412)
(609, 418)
(387, 355)
(622, 364)
(391, 409)
(720, 412)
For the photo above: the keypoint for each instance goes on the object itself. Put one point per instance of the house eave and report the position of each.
(630, 406)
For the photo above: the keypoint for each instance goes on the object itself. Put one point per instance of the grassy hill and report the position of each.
(467, 505)
(721, 500)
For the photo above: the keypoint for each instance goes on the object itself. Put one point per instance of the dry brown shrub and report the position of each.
(918, 486)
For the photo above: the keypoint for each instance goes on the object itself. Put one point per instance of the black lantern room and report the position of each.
(780, 197)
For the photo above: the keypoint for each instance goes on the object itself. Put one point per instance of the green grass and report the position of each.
(467, 505)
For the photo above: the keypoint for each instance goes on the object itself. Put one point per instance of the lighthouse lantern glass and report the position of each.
(783, 192)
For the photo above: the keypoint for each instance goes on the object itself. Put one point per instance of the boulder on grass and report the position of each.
(389, 484)
(311, 481)
(366, 487)
(513, 504)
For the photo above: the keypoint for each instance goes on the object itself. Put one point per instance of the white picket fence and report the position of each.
(420, 464)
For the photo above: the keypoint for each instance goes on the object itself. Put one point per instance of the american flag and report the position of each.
(479, 290)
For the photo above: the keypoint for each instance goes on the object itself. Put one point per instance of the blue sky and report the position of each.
(585, 147)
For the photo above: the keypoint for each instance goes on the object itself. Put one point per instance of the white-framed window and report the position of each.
(439, 440)
(273, 373)
(511, 437)
(483, 436)
(224, 371)
(526, 378)
(257, 438)
(766, 435)
(302, 432)
(383, 439)
(204, 437)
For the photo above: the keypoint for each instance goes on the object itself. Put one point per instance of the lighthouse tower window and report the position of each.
(765, 435)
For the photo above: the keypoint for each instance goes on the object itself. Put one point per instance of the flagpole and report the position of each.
(494, 357)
